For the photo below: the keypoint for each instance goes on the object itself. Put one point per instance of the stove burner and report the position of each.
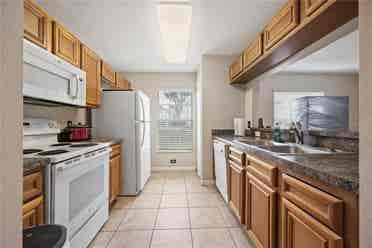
(52, 152)
(83, 145)
(31, 151)
(61, 144)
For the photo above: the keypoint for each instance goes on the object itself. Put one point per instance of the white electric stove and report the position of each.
(76, 182)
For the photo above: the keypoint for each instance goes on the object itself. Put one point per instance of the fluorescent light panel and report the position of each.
(175, 29)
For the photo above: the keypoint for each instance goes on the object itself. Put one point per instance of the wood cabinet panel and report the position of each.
(115, 150)
(323, 206)
(121, 82)
(236, 156)
(33, 213)
(36, 24)
(236, 67)
(66, 45)
(253, 52)
(283, 23)
(237, 190)
(312, 5)
(262, 170)
(260, 212)
(108, 74)
(301, 230)
(32, 186)
(91, 64)
(115, 173)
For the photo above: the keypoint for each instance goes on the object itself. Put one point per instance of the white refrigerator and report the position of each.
(126, 115)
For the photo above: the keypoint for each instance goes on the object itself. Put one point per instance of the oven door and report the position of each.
(81, 188)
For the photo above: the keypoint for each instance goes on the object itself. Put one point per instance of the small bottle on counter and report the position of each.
(277, 134)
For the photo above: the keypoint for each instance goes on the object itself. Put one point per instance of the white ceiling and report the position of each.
(126, 32)
(341, 56)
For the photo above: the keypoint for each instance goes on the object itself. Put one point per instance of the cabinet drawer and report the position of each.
(32, 186)
(262, 171)
(108, 73)
(66, 45)
(321, 205)
(116, 150)
(253, 52)
(283, 23)
(35, 24)
(237, 156)
(312, 5)
(236, 67)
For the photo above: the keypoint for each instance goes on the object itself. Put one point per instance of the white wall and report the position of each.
(11, 33)
(151, 83)
(332, 85)
(218, 103)
(365, 103)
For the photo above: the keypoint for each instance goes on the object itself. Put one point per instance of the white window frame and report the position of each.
(158, 150)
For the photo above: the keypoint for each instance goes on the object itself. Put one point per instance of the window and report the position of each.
(175, 120)
(283, 106)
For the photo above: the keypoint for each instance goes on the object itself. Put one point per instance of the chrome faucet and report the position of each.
(299, 133)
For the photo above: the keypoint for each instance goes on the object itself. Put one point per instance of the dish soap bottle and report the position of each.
(277, 136)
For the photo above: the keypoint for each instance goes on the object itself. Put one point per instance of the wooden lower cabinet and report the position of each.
(115, 174)
(260, 213)
(301, 230)
(33, 213)
(237, 190)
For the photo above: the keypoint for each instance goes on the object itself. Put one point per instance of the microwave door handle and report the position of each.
(77, 86)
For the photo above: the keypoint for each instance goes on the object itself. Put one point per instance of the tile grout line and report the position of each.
(188, 211)
(156, 220)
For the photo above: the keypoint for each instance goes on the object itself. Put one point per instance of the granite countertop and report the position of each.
(337, 170)
(31, 165)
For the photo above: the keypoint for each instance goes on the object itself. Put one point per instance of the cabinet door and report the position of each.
(283, 23)
(121, 82)
(91, 64)
(114, 178)
(66, 45)
(32, 186)
(237, 180)
(301, 230)
(109, 74)
(35, 24)
(260, 212)
(253, 52)
(313, 5)
(236, 67)
(33, 213)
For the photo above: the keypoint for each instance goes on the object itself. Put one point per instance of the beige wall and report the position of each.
(218, 103)
(11, 33)
(365, 107)
(61, 114)
(260, 92)
(151, 83)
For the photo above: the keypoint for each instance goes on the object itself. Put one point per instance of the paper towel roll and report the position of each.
(239, 127)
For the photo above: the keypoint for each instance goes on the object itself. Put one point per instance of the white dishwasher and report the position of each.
(220, 158)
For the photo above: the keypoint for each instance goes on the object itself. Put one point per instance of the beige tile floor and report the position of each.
(173, 211)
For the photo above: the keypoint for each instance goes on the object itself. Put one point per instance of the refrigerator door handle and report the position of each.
(143, 134)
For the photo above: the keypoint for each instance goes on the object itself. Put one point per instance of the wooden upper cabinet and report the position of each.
(91, 64)
(311, 6)
(260, 212)
(66, 45)
(36, 23)
(283, 23)
(253, 52)
(121, 82)
(236, 67)
(108, 74)
(299, 229)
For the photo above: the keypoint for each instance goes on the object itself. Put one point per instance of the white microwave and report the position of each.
(48, 77)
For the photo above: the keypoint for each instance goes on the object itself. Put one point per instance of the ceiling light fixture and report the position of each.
(175, 29)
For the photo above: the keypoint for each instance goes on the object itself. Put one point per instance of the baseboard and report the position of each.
(173, 168)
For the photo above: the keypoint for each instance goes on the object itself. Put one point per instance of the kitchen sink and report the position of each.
(257, 142)
(295, 149)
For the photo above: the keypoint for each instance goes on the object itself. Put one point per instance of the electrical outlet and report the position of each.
(173, 161)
